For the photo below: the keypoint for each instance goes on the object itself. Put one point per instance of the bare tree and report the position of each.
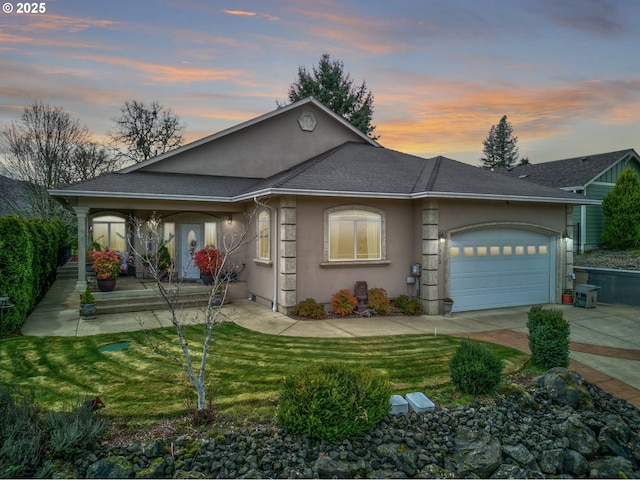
(142, 131)
(149, 234)
(46, 148)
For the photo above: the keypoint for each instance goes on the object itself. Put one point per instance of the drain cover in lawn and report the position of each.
(114, 347)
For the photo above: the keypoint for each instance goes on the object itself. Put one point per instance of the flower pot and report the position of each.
(567, 298)
(106, 284)
(206, 278)
(88, 311)
(448, 306)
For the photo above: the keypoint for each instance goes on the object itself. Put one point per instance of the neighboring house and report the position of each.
(14, 195)
(332, 207)
(592, 176)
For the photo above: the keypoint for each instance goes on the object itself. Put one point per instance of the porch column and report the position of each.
(569, 242)
(429, 291)
(81, 215)
(287, 253)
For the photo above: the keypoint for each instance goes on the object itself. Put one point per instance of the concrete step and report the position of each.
(145, 300)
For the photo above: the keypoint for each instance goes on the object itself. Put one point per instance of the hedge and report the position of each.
(28, 264)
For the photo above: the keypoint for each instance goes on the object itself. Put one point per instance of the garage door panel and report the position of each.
(500, 268)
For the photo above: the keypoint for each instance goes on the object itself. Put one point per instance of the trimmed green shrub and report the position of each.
(309, 308)
(548, 338)
(16, 280)
(343, 303)
(378, 301)
(406, 305)
(29, 258)
(333, 402)
(475, 369)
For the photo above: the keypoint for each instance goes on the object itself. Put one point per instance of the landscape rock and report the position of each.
(565, 388)
(488, 438)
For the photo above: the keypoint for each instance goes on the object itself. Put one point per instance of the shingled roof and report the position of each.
(570, 173)
(351, 169)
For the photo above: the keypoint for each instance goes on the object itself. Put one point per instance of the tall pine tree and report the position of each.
(328, 84)
(621, 207)
(500, 148)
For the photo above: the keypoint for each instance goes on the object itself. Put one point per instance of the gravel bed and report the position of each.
(617, 260)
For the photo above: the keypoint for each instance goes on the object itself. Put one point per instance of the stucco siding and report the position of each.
(321, 282)
(260, 150)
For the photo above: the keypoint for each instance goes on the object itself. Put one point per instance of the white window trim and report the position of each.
(383, 238)
(259, 259)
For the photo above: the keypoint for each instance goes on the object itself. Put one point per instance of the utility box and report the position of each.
(419, 402)
(586, 296)
(398, 405)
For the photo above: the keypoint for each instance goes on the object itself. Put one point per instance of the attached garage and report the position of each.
(502, 267)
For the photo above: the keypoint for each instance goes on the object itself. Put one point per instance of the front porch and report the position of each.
(138, 294)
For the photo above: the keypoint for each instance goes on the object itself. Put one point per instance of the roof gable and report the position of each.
(570, 173)
(263, 146)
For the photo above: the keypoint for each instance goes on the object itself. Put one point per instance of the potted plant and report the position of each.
(107, 267)
(567, 297)
(209, 261)
(447, 303)
(87, 304)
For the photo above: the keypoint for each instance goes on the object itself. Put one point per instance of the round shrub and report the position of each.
(333, 402)
(407, 305)
(475, 369)
(309, 308)
(343, 303)
(378, 301)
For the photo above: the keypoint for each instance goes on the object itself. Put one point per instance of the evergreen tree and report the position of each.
(328, 84)
(500, 148)
(621, 208)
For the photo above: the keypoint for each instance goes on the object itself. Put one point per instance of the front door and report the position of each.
(191, 242)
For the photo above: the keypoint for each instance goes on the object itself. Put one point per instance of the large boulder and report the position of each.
(565, 388)
(581, 438)
(475, 454)
(111, 467)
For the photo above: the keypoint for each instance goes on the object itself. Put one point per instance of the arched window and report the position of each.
(355, 234)
(264, 235)
(109, 231)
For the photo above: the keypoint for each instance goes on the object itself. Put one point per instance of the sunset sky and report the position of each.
(565, 72)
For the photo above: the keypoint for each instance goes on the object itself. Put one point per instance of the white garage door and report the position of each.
(501, 268)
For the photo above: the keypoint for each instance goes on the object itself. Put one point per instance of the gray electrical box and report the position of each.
(586, 296)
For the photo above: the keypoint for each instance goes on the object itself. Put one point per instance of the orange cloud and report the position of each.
(244, 13)
(171, 74)
(61, 23)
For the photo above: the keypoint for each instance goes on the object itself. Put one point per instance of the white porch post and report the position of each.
(287, 253)
(81, 215)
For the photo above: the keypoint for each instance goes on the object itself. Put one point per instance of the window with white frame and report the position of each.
(264, 240)
(109, 232)
(210, 234)
(355, 234)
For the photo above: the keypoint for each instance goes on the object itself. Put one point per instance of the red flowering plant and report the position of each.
(106, 264)
(208, 260)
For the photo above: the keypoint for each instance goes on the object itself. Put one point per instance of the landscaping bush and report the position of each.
(333, 402)
(25, 438)
(475, 368)
(343, 303)
(309, 308)
(21, 436)
(29, 259)
(621, 208)
(16, 258)
(406, 305)
(548, 338)
(378, 301)
(74, 431)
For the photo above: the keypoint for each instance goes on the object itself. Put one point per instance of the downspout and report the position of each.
(274, 211)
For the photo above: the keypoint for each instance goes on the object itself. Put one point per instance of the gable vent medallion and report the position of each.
(307, 121)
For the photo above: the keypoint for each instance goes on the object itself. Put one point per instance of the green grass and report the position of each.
(245, 368)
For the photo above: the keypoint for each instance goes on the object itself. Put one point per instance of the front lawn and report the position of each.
(245, 368)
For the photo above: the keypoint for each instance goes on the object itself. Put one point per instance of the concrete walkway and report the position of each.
(605, 346)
